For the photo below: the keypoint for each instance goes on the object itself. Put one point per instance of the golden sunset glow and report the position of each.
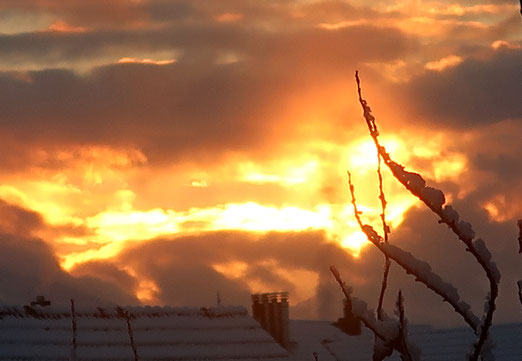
(122, 223)
(152, 145)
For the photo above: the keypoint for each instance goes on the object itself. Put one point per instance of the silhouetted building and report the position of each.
(271, 311)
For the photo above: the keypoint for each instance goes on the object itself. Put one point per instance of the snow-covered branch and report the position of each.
(386, 231)
(420, 269)
(435, 200)
(387, 329)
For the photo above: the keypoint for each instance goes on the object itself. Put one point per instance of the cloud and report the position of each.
(475, 92)
(184, 268)
(28, 267)
(421, 235)
(20, 221)
(194, 108)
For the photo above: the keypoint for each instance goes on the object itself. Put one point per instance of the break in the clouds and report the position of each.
(163, 151)
(29, 267)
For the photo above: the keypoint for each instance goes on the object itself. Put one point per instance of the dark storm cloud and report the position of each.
(27, 223)
(182, 267)
(421, 235)
(28, 267)
(350, 44)
(192, 107)
(476, 92)
(108, 272)
(167, 109)
(126, 13)
(196, 108)
(20, 221)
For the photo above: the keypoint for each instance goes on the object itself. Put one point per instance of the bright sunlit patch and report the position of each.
(502, 209)
(444, 63)
(354, 242)
(499, 44)
(233, 269)
(343, 24)
(396, 71)
(146, 61)
(90, 193)
(229, 17)
(120, 226)
(363, 156)
(47, 197)
(286, 174)
(199, 183)
(104, 252)
(449, 167)
(255, 217)
(62, 27)
(147, 292)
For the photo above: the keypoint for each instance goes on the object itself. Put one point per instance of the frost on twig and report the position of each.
(435, 200)
(386, 330)
(421, 270)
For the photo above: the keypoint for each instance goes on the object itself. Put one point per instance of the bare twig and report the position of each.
(421, 270)
(74, 344)
(403, 333)
(386, 231)
(434, 199)
(519, 283)
(127, 317)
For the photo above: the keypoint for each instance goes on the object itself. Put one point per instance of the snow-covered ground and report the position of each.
(449, 344)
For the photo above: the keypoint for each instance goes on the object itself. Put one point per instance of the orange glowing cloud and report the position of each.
(499, 44)
(146, 61)
(63, 27)
(229, 17)
(444, 63)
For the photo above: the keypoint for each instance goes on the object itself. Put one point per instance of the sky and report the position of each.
(161, 152)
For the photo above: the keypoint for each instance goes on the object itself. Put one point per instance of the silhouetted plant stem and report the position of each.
(73, 320)
(386, 231)
(402, 327)
(405, 260)
(519, 223)
(127, 317)
(434, 199)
